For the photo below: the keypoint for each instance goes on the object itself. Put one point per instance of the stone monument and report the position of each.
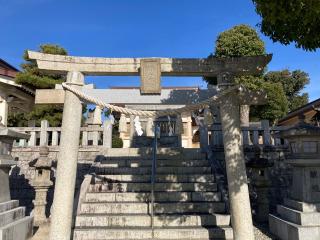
(299, 217)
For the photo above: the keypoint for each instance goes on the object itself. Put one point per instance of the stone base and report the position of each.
(13, 223)
(296, 221)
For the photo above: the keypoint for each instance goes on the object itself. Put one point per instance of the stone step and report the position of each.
(12, 215)
(159, 197)
(18, 230)
(144, 163)
(146, 187)
(301, 206)
(286, 230)
(160, 170)
(297, 217)
(143, 220)
(159, 178)
(5, 206)
(144, 208)
(195, 233)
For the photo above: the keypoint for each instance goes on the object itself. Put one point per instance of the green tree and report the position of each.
(291, 21)
(33, 78)
(277, 104)
(242, 40)
(293, 83)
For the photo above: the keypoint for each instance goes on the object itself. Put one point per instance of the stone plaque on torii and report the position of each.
(150, 70)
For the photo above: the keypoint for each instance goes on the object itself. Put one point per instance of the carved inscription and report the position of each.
(150, 71)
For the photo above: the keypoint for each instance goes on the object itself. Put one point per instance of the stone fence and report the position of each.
(256, 134)
(94, 135)
(259, 133)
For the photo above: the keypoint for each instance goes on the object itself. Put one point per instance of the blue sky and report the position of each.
(137, 28)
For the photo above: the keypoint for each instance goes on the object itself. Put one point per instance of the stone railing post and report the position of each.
(55, 138)
(84, 138)
(44, 133)
(33, 139)
(266, 132)
(61, 220)
(107, 133)
(41, 184)
(203, 131)
(241, 217)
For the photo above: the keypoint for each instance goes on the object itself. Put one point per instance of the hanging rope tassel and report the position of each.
(208, 118)
(179, 125)
(123, 124)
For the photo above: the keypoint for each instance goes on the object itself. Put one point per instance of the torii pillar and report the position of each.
(241, 217)
(61, 221)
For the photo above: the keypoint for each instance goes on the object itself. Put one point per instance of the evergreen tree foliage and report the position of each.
(33, 78)
(291, 21)
(293, 83)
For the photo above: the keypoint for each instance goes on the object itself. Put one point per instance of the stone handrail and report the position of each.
(259, 133)
(50, 136)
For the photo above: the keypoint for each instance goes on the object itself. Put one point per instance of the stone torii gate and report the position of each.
(150, 70)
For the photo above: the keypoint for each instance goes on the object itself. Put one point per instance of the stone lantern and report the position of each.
(261, 183)
(14, 225)
(6, 160)
(299, 216)
(41, 183)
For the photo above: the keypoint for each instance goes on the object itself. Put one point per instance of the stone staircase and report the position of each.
(13, 222)
(115, 202)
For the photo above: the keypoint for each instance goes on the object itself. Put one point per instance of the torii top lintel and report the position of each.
(169, 66)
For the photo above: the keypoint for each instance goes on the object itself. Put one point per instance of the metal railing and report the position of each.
(153, 174)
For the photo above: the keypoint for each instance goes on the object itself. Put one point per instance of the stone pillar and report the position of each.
(203, 131)
(55, 138)
(44, 133)
(33, 139)
(241, 217)
(67, 163)
(107, 133)
(150, 127)
(266, 132)
(4, 110)
(189, 131)
(41, 184)
(132, 129)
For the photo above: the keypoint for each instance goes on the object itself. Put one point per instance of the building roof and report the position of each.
(306, 110)
(7, 70)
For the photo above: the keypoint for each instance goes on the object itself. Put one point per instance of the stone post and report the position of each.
(203, 130)
(67, 163)
(241, 217)
(132, 130)
(3, 110)
(266, 132)
(107, 133)
(41, 184)
(189, 130)
(33, 139)
(44, 133)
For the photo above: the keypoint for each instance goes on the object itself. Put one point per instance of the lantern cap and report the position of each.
(9, 133)
(301, 129)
